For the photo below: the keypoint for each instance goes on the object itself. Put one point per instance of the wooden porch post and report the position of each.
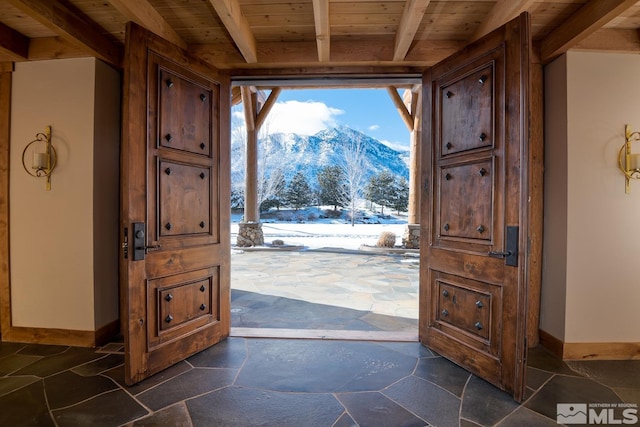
(410, 109)
(250, 230)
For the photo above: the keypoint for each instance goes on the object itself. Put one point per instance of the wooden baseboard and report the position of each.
(49, 336)
(601, 351)
(551, 343)
(590, 350)
(62, 336)
(104, 334)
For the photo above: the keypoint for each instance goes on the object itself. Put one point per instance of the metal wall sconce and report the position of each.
(43, 156)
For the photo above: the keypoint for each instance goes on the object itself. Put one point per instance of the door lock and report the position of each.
(139, 242)
(511, 254)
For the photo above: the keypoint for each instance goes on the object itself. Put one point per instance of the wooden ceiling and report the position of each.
(301, 35)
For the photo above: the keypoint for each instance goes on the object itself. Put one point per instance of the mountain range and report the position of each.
(309, 153)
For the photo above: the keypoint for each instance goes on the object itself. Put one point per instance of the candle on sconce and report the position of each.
(39, 161)
(634, 162)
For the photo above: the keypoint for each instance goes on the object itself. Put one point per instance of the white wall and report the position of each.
(52, 232)
(603, 227)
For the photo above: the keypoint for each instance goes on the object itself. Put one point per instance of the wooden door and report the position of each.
(175, 295)
(473, 275)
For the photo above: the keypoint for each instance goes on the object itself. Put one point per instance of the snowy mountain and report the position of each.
(309, 154)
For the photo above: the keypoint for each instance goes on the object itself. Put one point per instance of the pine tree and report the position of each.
(401, 197)
(331, 186)
(299, 193)
(381, 189)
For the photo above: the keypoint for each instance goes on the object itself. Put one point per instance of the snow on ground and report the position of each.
(325, 232)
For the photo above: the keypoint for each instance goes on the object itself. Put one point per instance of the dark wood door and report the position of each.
(175, 295)
(473, 275)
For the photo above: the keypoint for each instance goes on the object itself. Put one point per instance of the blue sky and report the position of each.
(307, 111)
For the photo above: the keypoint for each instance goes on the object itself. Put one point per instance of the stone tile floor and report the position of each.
(322, 289)
(279, 382)
(300, 382)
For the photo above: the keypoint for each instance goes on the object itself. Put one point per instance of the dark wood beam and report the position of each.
(68, 22)
(587, 20)
(13, 45)
(267, 106)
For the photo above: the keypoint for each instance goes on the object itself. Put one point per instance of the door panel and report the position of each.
(472, 304)
(175, 181)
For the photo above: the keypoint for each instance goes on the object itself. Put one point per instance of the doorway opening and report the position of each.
(332, 174)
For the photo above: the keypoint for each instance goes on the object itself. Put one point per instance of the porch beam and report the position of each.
(502, 12)
(587, 20)
(409, 22)
(323, 29)
(266, 107)
(402, 109)
(13, 45)
(237, 25)
(68, 22)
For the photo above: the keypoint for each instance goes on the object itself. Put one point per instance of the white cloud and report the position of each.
(304, 118)
(374, 127)
(398, 146)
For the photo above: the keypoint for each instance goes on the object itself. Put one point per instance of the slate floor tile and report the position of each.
(7, 348)
(14, 362)
(42, 349)
(334, 366)
(10, 384)
(612, 373)
(345, 421)
(565, 389)
(230, 353)
(59, 362)
(443, 373)
(68, 388)
(174, 416)
(25, 407)
(484, 403)
(375, 409)
(105, 363)
(228, 407)
(192, 383)
(428, 401)
(542, 359)
(413, 349)
(117, 374)
(536, 378)
(109, 409)
(525, 417)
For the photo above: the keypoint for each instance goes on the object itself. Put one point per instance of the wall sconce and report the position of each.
(43, 156)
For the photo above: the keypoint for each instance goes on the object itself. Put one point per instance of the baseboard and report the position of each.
(50, 336)
(551, 343)
(104, 334)
(602, 351)
(590, 350)
(62, 336)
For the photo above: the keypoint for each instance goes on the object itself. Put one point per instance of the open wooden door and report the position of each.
(175, 296)
(475, 218)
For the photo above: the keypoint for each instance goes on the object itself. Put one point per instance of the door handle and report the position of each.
(140, 247)
(511, 253)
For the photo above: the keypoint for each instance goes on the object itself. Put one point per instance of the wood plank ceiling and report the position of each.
(309, 36)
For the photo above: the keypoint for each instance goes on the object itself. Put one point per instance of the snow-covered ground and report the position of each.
(325, 232)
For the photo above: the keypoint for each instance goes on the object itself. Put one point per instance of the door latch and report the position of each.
(511, 254)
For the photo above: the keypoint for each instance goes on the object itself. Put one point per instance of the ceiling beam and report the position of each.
(411, 18)
(587, 20)
(502, 12)
(238, 27)
(65, 20)
(323, 30)
(612, 40)
(14, 46)
(144, 14)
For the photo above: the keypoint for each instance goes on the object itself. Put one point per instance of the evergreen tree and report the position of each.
(401, 197)
(277, 187)
(299, 193)
(381, 189)
(331, 186)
